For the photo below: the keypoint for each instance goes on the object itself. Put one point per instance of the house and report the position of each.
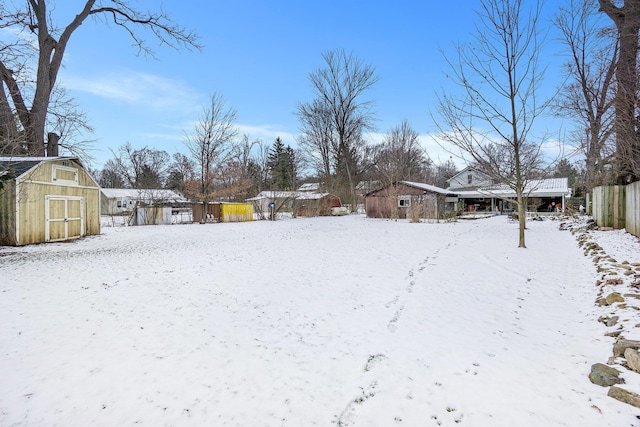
(300, 203)
(469, 178)
(396, 201)
(477, 192)
(46, 199)
(122, 201)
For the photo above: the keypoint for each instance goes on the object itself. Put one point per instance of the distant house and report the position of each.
(46, 199)
(395, 201)
(477, 192)
(121, 201)
(299, 203)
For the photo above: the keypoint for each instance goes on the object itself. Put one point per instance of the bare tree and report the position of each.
(144, 168)
(588, 96)
(334, 123)
(110, 176)
(257, 170)
(211, 144)
(443, 172)
(44, 44)
(499, 78)
(399, 157)
(316, 137)
(625, 14)
(181, 174)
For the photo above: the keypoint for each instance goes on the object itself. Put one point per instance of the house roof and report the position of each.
(426, 187)
(467, 169)
(551, 187)
(419, 185)
(142, 194)
(299, 195)
(274, 195)
(310, 186)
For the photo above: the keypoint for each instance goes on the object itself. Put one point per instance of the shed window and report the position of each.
(404, 201)
(64, 175)
(469, 179)
(119, 203)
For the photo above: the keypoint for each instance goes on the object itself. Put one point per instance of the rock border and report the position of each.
(619, 296)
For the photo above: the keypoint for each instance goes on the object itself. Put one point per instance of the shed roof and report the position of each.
(18, 166)
(427, 187)
(310, 186)
(299, 195)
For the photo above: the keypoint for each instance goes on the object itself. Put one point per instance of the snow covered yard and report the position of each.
(322, 321)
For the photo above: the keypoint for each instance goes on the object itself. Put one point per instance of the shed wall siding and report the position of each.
(8, 213)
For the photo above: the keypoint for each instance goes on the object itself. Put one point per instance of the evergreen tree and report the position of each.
(281, 164)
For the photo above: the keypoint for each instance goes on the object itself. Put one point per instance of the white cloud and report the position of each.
(132, 87)
(268, 133)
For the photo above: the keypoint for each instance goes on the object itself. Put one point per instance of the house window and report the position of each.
(469, 179)
(119, 203)
(404, 201)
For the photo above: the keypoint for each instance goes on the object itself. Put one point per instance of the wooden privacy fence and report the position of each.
(632, 223)
(618, 206)
(224, 212)
(236, 212)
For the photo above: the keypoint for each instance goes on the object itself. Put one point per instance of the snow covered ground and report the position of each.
(307, 322)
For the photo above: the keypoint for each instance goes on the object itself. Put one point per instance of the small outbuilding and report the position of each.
(224, 212)
(122, 201)
(403, 199)
(46, 199)
(299, 203)
(315, 204)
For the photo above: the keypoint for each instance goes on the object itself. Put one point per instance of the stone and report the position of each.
(624, 396)
(622, 344)
(613, 298)
(612, 321)
(633, 359)
(614, 334)
(604, 375)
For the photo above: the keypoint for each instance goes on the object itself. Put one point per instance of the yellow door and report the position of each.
(64, 218)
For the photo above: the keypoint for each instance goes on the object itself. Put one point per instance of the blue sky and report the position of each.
(258, 55)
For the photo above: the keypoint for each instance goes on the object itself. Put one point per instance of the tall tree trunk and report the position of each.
(627, 21)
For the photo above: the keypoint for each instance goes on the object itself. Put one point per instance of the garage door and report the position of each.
(64, 218)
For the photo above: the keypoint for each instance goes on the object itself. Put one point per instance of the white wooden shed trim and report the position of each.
(61, 184)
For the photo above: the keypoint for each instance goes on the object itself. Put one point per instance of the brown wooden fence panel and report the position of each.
(609, 206)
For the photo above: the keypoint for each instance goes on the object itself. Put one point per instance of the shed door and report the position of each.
(64, 218)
